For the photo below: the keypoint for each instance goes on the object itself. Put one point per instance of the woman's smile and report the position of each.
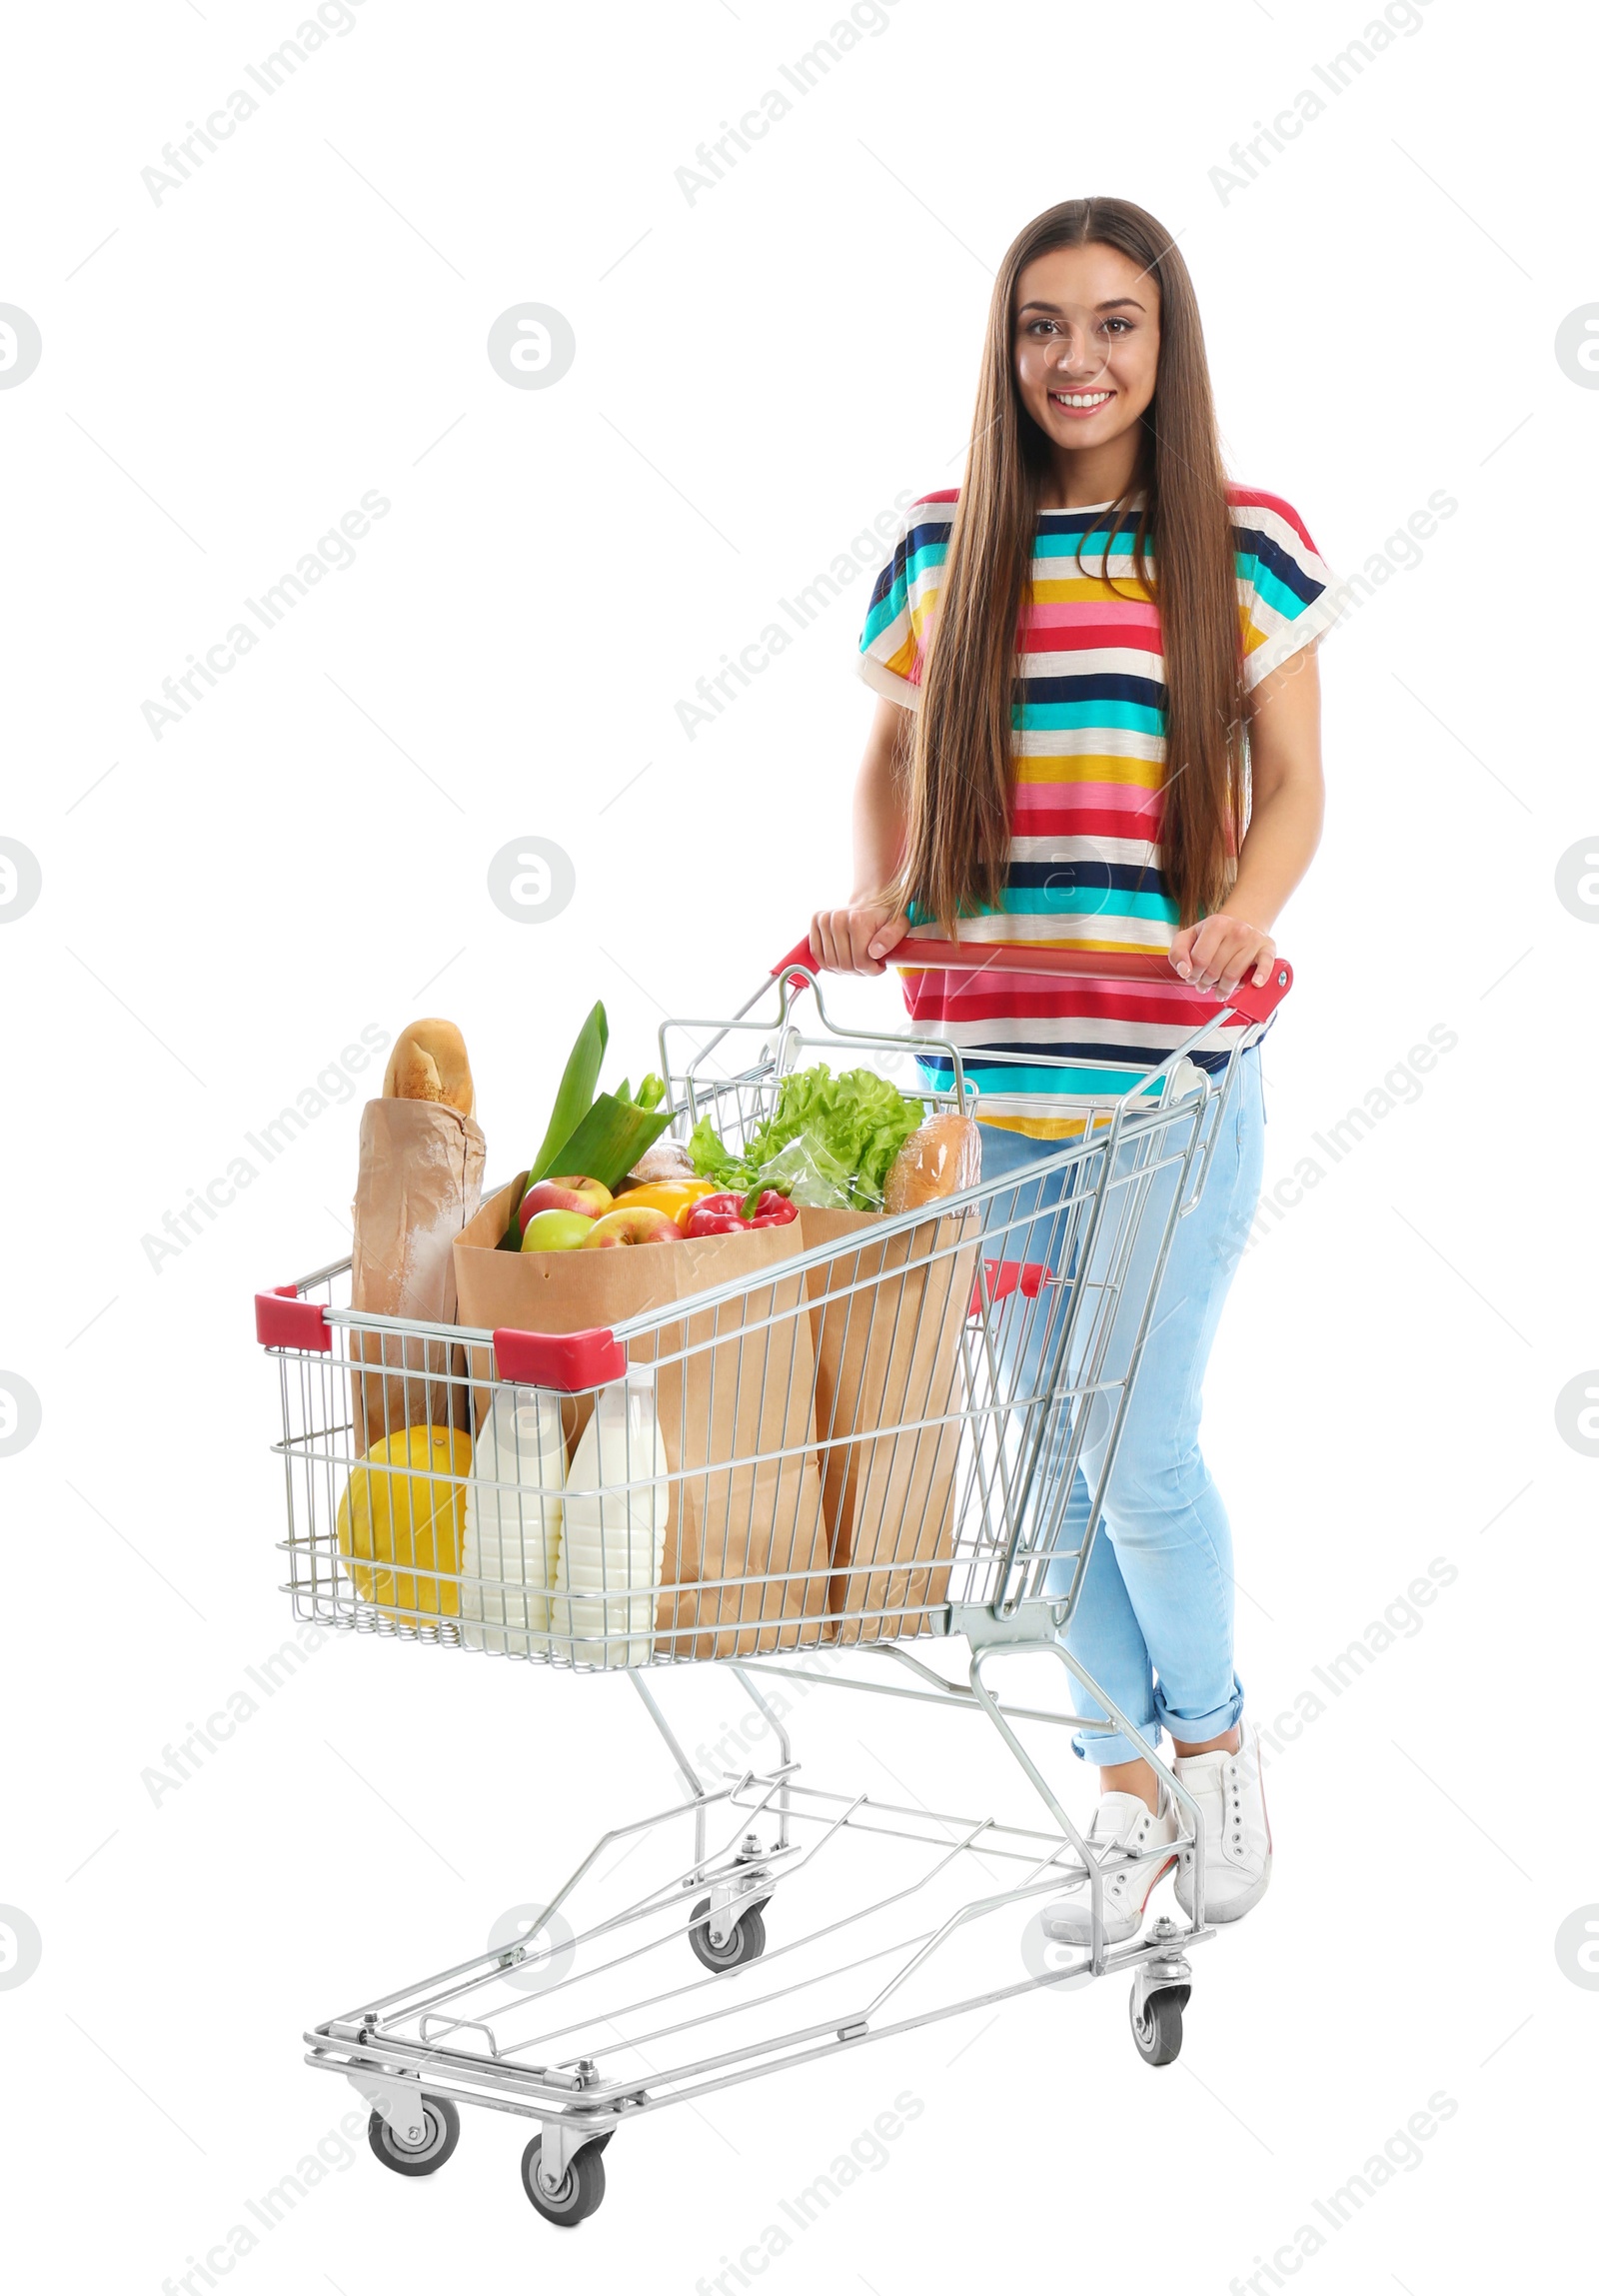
(1080, 403)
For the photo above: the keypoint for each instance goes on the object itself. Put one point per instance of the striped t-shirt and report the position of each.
(1090, 714)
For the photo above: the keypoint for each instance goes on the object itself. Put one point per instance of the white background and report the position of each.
(758, 374)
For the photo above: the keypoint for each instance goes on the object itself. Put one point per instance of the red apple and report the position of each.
(640, 1225)
(555, 1231)
(573, 1194)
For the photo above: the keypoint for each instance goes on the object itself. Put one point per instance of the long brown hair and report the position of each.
(960, 764)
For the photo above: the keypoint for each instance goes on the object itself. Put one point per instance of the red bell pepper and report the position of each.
(729, 1214)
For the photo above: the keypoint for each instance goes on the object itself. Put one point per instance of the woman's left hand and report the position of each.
(1216, 954)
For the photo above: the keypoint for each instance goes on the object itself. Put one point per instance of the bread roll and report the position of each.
(666, 1161)
(429, 1062)
(940, 1159)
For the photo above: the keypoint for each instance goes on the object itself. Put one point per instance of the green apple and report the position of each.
(555, 1231)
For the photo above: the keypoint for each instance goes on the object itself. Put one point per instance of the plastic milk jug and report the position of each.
(511, 1531)
(613, 1531)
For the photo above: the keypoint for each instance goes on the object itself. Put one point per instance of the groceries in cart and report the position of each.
(740, 1478)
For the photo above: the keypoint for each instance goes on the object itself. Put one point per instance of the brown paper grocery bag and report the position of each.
(888, 1362)
(734, 1383)
(417, 1185)
(744, 1390)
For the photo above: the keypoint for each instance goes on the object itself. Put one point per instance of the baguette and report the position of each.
(429, 1062)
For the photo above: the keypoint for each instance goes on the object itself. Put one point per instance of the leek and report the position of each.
(574, 1099)
(612, 1137)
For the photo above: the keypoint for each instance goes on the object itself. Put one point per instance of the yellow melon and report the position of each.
(406, 1504)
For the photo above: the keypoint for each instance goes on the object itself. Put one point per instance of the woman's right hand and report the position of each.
(858, 938)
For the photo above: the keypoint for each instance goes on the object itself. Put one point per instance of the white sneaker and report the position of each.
(1130, 1839)
(1228, 1790)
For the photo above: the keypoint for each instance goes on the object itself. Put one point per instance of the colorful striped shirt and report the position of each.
(1089, 719)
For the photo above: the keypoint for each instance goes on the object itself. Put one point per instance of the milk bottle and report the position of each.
(613, 1530)
(512, 1530)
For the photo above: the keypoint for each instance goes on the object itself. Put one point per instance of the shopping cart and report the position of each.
(946, 1365)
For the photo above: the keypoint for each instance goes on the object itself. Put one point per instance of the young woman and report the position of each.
(1098, 730)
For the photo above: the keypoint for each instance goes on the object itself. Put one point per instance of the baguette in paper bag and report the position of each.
(418, 1183)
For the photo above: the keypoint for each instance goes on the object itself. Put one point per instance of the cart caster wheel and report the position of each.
(1158, 2034)
(440, 2135)
(747, 1942)
(580, 2191)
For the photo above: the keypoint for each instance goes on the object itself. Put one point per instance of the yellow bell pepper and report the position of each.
(675, 1197)
(390, 1513)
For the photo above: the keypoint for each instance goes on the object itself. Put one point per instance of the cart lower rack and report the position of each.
(867, 1445)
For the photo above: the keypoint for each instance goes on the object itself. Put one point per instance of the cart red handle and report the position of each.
(1098, 965)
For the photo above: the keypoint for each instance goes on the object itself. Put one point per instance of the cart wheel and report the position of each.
(1158, 2034)
(440, 2136)
(580, 2191)
(747, 1941)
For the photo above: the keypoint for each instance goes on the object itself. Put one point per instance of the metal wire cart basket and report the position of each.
(852, 1467)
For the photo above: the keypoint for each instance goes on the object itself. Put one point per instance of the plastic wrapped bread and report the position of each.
(942, 1156)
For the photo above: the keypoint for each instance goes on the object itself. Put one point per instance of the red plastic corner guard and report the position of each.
(1259, 1003)
(566, 1361)
(284, 1319)
(999, 1278)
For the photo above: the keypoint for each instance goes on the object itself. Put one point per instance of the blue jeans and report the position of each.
(1154, 1616)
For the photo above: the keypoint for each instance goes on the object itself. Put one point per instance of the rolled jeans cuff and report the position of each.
(1102, 1747)
(1195, 1729)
